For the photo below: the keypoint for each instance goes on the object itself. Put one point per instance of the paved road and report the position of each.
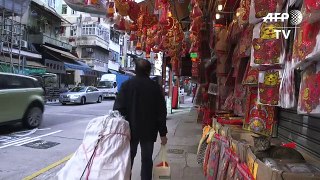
(62, 128)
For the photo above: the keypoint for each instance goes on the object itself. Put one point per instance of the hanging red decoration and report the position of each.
(133, 27)
(196, 11)
(148, 51)
(193, 2)
(110, 10)
(157, 5)
(164, 16)
(134, 10)
(133, 37)
(155, 49)
(194, 47)
(122, 7)
(147, 20)
(139, 46)
(196, 25)
(169, 24)
(121, 25)
(164, 1)
(312, 5)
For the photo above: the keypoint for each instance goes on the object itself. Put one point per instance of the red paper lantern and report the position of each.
(139, 46)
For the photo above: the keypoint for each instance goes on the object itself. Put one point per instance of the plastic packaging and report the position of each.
(261, 8)
(287, 87)
(224, 165)
(244, 12)
(269, 87)
(251, 76)
(266, 49)
(240, 93)
(95, 158)
(214, 158)
(246, 42)
(259, 118)
(162, 170)
(234, 160)
(309, 95)
(307, 42)
(243, 172)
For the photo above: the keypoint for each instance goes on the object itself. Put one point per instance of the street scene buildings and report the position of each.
(48, 36)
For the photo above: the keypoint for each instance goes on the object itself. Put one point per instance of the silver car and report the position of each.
(81, 95)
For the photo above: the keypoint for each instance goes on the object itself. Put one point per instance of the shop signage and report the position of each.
(113, 65)
(100, 66)
(25, 71)
(194, 55)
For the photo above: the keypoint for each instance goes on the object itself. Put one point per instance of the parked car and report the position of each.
(21, 100)
(81, 95)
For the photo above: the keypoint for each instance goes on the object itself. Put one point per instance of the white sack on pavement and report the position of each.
(111, 160)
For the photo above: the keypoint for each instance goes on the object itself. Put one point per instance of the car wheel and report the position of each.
(63, 103)
(33, 117)
(99, 99)
(83, 101)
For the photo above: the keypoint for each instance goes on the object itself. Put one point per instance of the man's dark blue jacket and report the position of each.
(141, 102)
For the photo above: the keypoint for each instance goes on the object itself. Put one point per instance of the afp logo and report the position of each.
(294, 17)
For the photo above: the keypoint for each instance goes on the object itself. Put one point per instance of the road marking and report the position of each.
(26, 142)
(51, 166)
(16, 140)
(37, 137)
(24, 133)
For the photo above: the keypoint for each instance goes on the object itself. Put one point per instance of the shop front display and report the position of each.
(267, 90)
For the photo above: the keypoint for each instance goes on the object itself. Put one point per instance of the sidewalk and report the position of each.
(183, 137)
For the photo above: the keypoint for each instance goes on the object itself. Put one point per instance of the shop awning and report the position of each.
(22, 53)
(29, 69)
(62, 53)
(6, 60)
(81, 66)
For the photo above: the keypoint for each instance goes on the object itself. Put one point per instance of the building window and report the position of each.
(63, 31)
(52, 3)
(73, 12)
(114, 36)
(64, 9)
(89, 29)
(73, 31)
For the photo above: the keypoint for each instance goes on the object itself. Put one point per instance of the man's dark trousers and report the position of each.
(146, 157)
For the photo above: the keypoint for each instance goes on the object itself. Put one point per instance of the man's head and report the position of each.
(143, 67)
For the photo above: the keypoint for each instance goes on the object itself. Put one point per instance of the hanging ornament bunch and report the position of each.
(196, 16)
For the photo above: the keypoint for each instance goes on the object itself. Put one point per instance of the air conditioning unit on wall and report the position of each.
(24, 44)
(15, 42)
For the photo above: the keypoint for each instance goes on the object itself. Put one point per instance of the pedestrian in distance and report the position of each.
(141, 101)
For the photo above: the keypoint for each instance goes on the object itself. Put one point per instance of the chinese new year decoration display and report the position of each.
(309, 100)
(259, 118)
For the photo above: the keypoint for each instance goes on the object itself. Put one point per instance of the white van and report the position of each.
(108, 85)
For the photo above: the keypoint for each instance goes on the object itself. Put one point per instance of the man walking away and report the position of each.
(141, 102)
